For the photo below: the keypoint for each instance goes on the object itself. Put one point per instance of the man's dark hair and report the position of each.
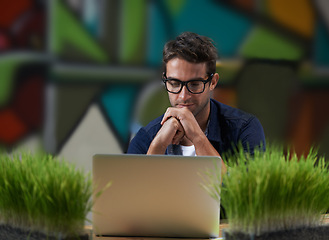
(193, 48)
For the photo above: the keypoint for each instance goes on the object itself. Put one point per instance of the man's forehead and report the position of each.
(181, 68)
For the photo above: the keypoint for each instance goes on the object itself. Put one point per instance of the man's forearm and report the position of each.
(170, 133)
(156, 148)
(204, 148)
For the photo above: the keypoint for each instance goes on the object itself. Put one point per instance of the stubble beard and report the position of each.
(196, 112)
(200, 110)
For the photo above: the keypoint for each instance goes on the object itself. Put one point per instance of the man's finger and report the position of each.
(166, 116)
(178, 136)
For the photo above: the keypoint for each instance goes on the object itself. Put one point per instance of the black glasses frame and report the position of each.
(184, 83)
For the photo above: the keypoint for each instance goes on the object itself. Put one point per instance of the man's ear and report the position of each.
(214, 81)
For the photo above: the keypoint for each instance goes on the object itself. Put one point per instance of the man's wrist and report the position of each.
(156, 147)
(200, 140)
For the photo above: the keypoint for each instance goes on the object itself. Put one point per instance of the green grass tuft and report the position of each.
(270, 191)
(40, 192)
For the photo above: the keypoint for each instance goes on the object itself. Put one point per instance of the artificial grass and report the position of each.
(271, 191)
(41, 193)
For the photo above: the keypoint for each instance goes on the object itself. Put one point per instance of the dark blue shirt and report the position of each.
(227, 128)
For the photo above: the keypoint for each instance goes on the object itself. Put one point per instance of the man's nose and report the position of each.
(184, 93)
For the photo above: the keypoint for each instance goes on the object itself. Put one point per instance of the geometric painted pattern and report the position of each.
(256, 90)
(225, 26)
(92, 56)
(12, 128)
(92, 135)
(118, 104)
(297, 15)
(8, 69)
(10, 12)
(24, 111)
(132, 43)
(266, 44)
(28, 102)
(69, 35)
(71, 104)
(321, 46)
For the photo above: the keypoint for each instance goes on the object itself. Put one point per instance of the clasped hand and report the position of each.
(178, 124)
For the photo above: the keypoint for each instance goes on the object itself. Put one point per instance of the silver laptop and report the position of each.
(154, 196)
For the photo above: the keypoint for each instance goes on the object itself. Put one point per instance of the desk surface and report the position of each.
(93, 237)
(221, 227)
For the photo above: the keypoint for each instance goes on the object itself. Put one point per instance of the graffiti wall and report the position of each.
(79, 77)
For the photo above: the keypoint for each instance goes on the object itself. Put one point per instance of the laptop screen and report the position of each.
(154, 196)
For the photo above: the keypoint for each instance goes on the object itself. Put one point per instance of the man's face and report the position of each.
(183, 70)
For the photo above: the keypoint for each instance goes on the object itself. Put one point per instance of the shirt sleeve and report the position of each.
(252, 136)
(140, 143)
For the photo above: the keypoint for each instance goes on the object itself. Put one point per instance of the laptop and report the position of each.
(157, 196)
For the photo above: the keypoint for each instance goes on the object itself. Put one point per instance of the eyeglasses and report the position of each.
(195, 86)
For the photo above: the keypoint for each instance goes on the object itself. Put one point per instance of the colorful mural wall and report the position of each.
(79, 77)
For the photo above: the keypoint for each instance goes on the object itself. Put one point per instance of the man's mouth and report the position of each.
(182, 105)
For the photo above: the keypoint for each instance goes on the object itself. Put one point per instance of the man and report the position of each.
(195, 124)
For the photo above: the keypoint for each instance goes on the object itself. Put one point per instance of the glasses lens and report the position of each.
(173, 86)
(195, 86)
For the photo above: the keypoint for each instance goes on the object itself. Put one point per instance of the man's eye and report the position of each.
(174, 83)
(195, 84)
